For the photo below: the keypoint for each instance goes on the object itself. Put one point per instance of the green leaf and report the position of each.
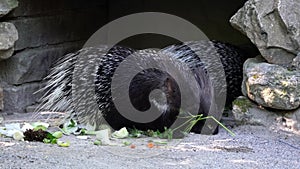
(57, 134)
(97, 142)
(36, 128)
(63, 144)
(126, 143)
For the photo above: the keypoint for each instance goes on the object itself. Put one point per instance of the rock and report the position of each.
(57, 29)
(247, 112)
(33, 64)
(6, 6)
(271, 85)
(296, 62)
(17, 98)
(273, 26)
(8, 37)
(31, 8)
(292, 120)
(1, 98)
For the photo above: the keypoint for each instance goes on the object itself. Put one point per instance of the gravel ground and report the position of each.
(252, 147)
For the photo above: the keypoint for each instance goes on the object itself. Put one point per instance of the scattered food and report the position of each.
(35, 135)
(63, 144)
(150, 145)
(97, 142)
(132, 146)
(57, 134)
(103, 136)
(82, 137)
(122, 133)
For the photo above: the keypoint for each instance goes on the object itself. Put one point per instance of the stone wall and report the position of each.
(35, 33)
(272, 79)
(46, 30)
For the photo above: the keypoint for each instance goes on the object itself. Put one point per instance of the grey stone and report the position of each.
(56, 29)
(6, 6)
(271, 85)
(5, 54)
(8, 37)
(247, 112)
(33, 64)
(1, 98)
(29, 8)
(273, 26)
(292, 120)
(296, 62)
(17, 98)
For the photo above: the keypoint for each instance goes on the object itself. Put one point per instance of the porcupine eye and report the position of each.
(151, 79)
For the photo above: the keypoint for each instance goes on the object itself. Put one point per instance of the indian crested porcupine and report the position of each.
(60, 88)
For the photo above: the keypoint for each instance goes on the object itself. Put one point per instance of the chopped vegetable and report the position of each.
(63, 144)
(18, 135)
(57, 134)
(70, 127)
(126, 143)
(103, 136)
(82, 137)
(97, 142)
(40, 125)
(122, 133)
(150, 145)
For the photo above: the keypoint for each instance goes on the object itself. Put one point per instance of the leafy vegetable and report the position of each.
(63, 144)
(122, 133)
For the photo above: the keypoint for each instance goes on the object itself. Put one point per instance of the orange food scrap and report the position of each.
(132, 146)
(150, 145)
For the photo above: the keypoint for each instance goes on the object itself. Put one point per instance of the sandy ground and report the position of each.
(252, 147)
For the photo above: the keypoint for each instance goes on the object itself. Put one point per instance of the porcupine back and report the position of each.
(59, 95)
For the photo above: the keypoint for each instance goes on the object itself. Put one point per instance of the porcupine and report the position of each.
(60, 85)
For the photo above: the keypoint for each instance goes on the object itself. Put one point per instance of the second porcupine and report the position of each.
(59, 95)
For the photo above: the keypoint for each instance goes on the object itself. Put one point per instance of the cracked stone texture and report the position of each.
(17, 98)
(8, 37)
(33, 64)
(271, 85)
(247, 112)
(6, 6)
(273, 26)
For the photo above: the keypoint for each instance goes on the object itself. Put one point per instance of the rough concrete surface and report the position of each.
(252, 147)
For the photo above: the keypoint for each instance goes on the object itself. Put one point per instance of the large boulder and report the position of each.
(8, 37)
(247, 112)
(273, 26)
(6, 6)
(271, 85)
